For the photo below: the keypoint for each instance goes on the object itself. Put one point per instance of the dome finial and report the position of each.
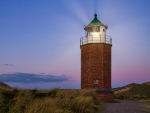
(95, 15)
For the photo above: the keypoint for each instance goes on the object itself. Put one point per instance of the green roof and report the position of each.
(95, 20)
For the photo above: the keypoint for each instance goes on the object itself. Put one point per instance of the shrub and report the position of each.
(8, 95)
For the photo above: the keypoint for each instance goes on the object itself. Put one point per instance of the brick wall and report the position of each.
(96, 65)
(105, 97)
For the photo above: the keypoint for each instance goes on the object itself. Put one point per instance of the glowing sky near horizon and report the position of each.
(43, 38)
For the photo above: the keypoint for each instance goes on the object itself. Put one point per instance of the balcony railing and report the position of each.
(99, 39)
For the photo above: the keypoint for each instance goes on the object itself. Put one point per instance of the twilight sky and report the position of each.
(40, 41)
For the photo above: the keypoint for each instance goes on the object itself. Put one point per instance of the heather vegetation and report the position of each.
(14, 100)
(136, 91)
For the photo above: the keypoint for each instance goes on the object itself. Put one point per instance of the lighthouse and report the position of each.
(96, 60)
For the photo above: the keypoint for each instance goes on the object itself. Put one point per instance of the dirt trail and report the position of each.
(124, 106)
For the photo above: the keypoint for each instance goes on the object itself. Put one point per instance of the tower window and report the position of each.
(96, 81)
(90, 29)
(98, 28)
(103, 30)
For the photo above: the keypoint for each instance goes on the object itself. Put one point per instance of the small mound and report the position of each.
(146, 83)
(4, 85)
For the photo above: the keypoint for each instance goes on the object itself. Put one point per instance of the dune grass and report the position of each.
(14, 100)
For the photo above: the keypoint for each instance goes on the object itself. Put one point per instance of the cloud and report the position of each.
(26, 78)
(42, 73)
(8, 65)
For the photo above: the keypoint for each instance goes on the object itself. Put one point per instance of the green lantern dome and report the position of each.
(95, 20)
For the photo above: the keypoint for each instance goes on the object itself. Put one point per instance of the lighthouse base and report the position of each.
(105, 95)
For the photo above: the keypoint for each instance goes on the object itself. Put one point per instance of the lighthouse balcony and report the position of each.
(98, 39)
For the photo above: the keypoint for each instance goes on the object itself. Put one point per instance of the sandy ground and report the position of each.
(124, 106)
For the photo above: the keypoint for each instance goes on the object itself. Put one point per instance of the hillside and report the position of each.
(133, 91)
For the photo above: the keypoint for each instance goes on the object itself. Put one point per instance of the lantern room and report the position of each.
(95, 32)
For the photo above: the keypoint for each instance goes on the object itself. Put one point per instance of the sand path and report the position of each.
(124, 106)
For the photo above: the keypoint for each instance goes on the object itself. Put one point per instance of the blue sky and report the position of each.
(42, 38)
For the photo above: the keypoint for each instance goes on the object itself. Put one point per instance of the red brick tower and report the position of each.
(96, 60)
